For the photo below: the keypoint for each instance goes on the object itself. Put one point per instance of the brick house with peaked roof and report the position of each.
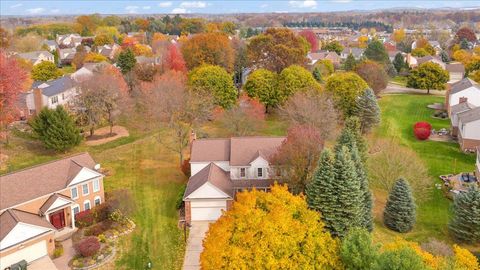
(222, 167)
(39, 204)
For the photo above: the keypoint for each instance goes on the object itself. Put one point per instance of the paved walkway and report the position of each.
(68, 252)
(194, 245)
(398, 89)
(44, 263)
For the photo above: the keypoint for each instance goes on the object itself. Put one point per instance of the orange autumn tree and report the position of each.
(273, 230)
(12, 82)
(464, 259)
(173, 59)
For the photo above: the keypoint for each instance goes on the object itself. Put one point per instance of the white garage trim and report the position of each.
(30, 253)
(207, 209)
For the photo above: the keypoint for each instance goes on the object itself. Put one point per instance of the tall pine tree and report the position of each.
(348, 213)
(465, 222)
(367, 200)
(367, 110)
(400, 211)
(350, 63)
(321, 193)
(56, 129)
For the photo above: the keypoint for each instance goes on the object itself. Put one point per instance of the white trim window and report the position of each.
(243, 172)
(97, 200)
(260, 173)
(86, 205)
(85, 190)
(96, 185)
(54, 99)
(74, 192)
(75, 209)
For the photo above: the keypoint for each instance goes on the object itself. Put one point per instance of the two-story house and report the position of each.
(464, 90)
(37, 57)
(222, 167)
(50, 94)
(39, 204)
(469, 129)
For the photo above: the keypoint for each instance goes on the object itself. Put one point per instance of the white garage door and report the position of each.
(30, 253)
(207, 210)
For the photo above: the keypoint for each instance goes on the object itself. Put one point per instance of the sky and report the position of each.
(64, 7)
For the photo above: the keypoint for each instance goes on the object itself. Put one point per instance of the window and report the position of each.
(85, 190)
(97, 201)
(260, 172)
(243, 172)
(86, 205)
(63, 96)
(96, 185)
(74, 192)
(54, 99)
(76, 210)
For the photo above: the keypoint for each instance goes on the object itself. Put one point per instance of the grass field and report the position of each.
(399, 113)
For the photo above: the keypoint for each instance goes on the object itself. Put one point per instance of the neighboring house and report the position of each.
(87, 71)
(146, 60)
(469, 129)
(50, 94)
(392, 54)
(51, 44)
(108, 51)
(39, 204)
(389, 46)
(37, 57)
(66, 55)
(322, 55)
(222, 167)
(432, 59)
(356, 52)
(461, 107)
(456, 72)
(464, 90)
(69, 40)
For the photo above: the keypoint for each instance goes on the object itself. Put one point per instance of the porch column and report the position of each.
(73, 217)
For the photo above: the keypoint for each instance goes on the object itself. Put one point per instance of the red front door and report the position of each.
(58, 219)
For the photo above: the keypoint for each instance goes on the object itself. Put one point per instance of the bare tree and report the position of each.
(311, 108)
(245, 118)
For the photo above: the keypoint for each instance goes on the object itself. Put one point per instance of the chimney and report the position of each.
(37, 99)
(462, 100)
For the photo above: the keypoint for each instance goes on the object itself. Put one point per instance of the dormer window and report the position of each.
(243, 172)
(260, 172)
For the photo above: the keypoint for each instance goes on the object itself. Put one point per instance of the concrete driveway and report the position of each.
(194, 245)
(44, 263)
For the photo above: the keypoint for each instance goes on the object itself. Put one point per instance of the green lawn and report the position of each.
(400, 80)
(399, 113)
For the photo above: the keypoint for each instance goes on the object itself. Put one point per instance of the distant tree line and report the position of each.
(379, 26)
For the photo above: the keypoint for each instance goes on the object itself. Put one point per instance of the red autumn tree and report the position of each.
(422, 130)
(311, 38)
(173, 59)
(465, 33)
(12, 82)
(298, 156)
(245, 118)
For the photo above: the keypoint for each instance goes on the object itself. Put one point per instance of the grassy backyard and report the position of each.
(399, 113)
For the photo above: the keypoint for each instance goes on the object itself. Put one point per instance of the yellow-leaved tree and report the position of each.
(464, 260)
(273, 230)
(431, 261)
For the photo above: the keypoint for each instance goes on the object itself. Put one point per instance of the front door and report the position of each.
(58, 219)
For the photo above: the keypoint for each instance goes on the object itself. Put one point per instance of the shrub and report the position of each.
(88, 246)
(437, 248)
(94, 230)
(179, 202)
(84, 219)
(58, 250)
(422, 130)
(102, 211)
(102, 238)
(121, 199)
(117, 216)
(186, 167)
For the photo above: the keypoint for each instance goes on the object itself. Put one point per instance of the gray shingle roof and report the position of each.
(461, 107)
(470, 115)
(33, 56)
(462, 85)
(57, 86)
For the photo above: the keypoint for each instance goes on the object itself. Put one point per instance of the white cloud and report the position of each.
(55, 10)
(264, 6)
(132, 9)
(303, 4)
(165, 4)
(342, 1)
(146, 7)
(179, 11)
(195, 4)
(35, 10)
(16, 5)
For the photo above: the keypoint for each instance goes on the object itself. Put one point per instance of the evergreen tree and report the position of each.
(56, 129)
(348, 212)
(353, 124)
(465, 222)
(320, 191)
(368, 111)
(358, 251)
(376, 51)
(367, 200)
(317, 74)
(445, 57)
(464, 44)
(399, 62)
(126, 61)
(400, 211)
(350, 63)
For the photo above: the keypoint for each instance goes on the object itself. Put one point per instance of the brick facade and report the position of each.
(468, 144)
(188, 212)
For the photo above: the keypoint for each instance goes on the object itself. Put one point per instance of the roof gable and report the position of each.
(83, 175)
(212, 174)
(20, 233)
(55, 201)
(208, 190)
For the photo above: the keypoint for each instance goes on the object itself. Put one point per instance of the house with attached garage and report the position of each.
(464, 90)
(50, 94)
(222, 167)
(39, 204)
